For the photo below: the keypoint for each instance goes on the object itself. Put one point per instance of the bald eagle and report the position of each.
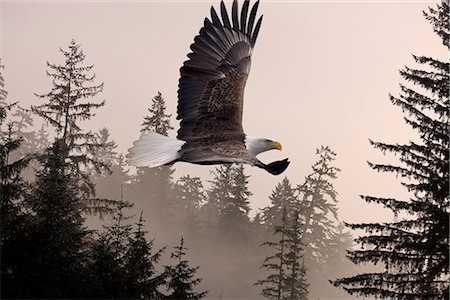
(210, 100)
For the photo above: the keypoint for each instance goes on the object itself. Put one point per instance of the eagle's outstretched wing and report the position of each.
(211, 86)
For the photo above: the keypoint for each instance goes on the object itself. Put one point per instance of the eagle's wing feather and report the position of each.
(211, 86)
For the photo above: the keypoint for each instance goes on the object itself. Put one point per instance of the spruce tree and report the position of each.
(141, 280)
(109, 186)
(108, 255)
(296, 284)
(181, 279)
(228, 203)
(57, 251)
(413, 250)
(157, 121)
(66, 107)
(14, 224)
(274, 286)
(318, 207)
(153, 188)
(191, 195)
(3, 93)
(284, 196)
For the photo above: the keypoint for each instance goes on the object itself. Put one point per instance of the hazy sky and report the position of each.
(321, 75)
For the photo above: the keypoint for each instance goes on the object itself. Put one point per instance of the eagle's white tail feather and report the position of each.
(154, 150)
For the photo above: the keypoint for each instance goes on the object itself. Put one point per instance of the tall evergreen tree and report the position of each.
(181, 279)
(296, 285)
(191, 195)
(108, 255)
(58, 238)
(414, 250)
(141, 280)
(66, 107)
(283, 197)
(318, 206)
(152, 189)
(274, 286)
(157, 121)
(228, 204)
(13, 225)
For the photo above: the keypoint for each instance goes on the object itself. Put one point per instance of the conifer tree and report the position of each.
(296, 285)
(318, 207)
(274, 286)
(284, 196)
(181, 279)
(141, 280)
(107, 154)
(58, 238)
(228, 203)
(3, 93)
(109, 186)
(191, 196)
(108, 255)
(414, 251)
(153, 188)
(34, 143)
(13, 225)
(157, 121)
(66, 106)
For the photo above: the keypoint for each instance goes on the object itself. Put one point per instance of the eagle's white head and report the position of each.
(258, 145)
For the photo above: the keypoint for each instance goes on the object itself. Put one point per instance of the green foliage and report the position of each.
(414, 251)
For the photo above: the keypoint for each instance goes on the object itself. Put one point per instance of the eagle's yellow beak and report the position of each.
(276, 145)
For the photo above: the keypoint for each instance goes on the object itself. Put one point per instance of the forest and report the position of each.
(77, 222)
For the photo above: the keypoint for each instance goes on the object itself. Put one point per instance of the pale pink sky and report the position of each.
(321, 74)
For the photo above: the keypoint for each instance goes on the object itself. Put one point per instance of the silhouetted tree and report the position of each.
(275, 285)
(228, 204)
(414, 250)
(13, 225)
(153, 188)
(66, 107)
(57, 251)
(157, 121)
(3, 93)
(108, 255)
(181, 279)
(109, 186)
(318, 207)
(296, 284)
(191, 195)
(107, 154)
(284, 196)
(141, 280)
